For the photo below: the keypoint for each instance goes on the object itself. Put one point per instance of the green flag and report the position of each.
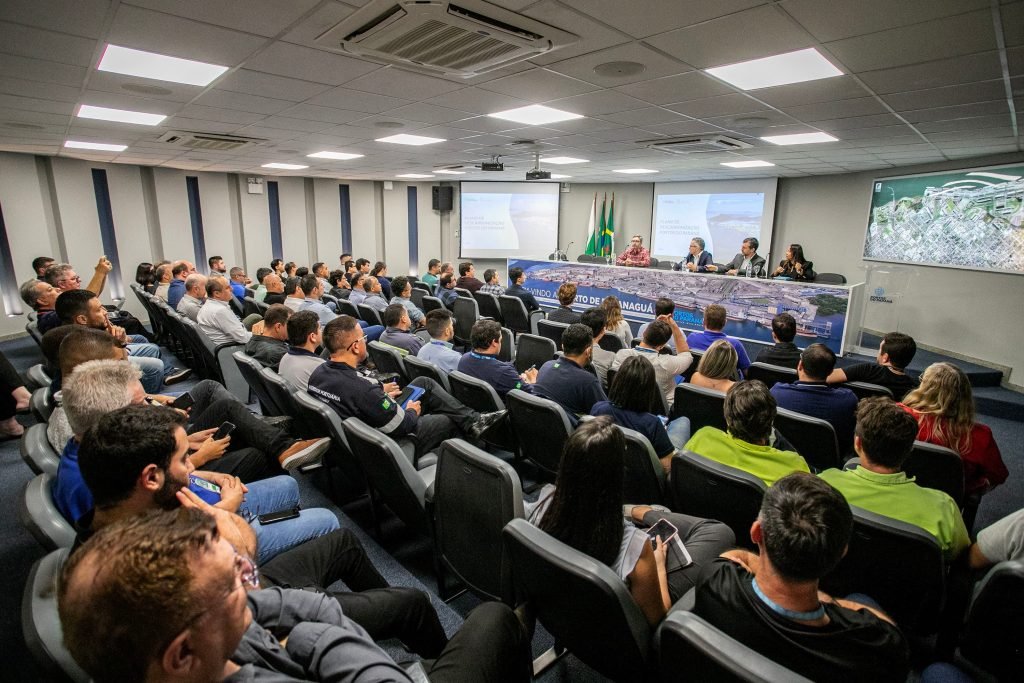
(608, 233)
(592, 235)
(600, 227)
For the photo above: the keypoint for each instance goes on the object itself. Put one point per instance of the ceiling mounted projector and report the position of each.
(537, 174)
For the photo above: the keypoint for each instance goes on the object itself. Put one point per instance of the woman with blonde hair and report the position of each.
(614, 322)
(943, 406)
(718, 367)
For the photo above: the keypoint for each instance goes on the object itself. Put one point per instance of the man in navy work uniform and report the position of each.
(564, 380)
(435, 417)
(812, 396)
(482, 362)
(517, 277)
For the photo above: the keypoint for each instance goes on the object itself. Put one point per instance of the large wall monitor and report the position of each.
(723, 213)
(513, 220)
(970, 219)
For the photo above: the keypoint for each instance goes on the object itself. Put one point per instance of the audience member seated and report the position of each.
(39, 266)
(663, 306)
(396, 329)
(194, 298)
(433, 272)
(294, 296)
(272, 344)
(482, 362)
(432, 419)
(516, 278)
(749, 413)
(238, 280)
(63, 276)
(467, 277)
(303, 341)
(339, 287)
(601, 360)
(380, 271)
(714, 323)
(275, 290)
(770, 601)
(180, 270)
(943, 406)
(145, 276)
(999, 542)
(163, 276)
(439, 350)
(667, 368)
(885, 437)
(446, 291)
(784, 353)
(261, 288)
(322, 274)
(717, 367)
(566, 297)
(358, 294)
(636, 255)
(795, 266)
(632, 403)
(615, 324)
(13, 397)
(698, 260)
(584, 510)
(216, 319)
(41, 296)
(811, 395)
(402, 288)
(277, 266)
(564, 379)
(217, 266)
(895, 352)
(277, 633)
(363, 265)
(492, 285)
(374, 294)
(313, 289)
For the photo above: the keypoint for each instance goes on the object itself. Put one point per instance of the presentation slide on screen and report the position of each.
(514, 220)
(723, 213)
(957, 219)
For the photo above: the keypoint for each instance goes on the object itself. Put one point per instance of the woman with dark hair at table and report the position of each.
(795, 266)
(584, 510)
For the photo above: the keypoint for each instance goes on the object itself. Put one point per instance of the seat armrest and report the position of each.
(425, 461)
(428, 474)
(685, 603)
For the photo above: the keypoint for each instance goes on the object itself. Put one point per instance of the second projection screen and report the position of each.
(508, 220)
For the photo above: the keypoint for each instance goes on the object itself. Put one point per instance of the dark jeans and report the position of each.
(385, 612)
(705, 540)
(254, 446)
(444, 416)
(492, 645)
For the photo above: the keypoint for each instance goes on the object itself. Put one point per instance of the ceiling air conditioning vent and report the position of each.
(191, 140)
(696, 143)
(462, 39)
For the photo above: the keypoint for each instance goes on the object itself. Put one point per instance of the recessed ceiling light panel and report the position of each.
(407, 139)
(563, 160)
(341, 156)
(285, 167)
(634, 171)
(447, 171)
(100, 146)
(414, 175)
(559, 176)
(535, 115)
(87, 111)
(753, 163)
(792, 67)
(124, 60)
(800, 139)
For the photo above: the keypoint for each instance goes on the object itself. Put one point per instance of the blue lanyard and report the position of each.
(480, 356)
(813, 615)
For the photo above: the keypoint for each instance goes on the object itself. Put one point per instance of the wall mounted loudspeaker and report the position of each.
(442, 196)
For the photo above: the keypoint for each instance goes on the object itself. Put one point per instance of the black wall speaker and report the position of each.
(442, 196)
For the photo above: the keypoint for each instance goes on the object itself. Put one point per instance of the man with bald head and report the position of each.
(275, 289)
(195, 295)
(180, 270)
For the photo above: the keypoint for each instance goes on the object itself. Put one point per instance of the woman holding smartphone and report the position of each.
(795, 266)
(584, 510)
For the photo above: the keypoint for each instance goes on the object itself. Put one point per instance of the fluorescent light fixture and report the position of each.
(634, 171)
(414, 175)
(747, 164)
(800, 139)
(124, 60)
(285, 167)
(341, 156)
(406, 139)
(101, 146)
(792, 67)
(563, 160)
(87, 111)
(559, 176)
(535, 115)
(446, 171)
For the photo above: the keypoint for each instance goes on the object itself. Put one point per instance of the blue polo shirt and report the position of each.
(498, 373)
(647, 424)
(835, 405)
(70, 494)
(569, 385)
(238, 289)
(700, 341)
(175, 291)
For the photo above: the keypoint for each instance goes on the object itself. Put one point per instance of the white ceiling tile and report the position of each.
(839, 109)
(594, 33)
(243, 102)
(764, 30)
(142, 87)
(185, 123)
(659, 17)
(876, 132)
(79, 18)
(931, 40)
(720, 105)
(320, 66)
(354, 100)
(257, 83)
(596, 103)
(50, 91)
(396, 82)
(682, 128)
(142, 29)
(1012, 16)
(428, 113)
(26, 41)
(262, 17)
(852, 122)
(811, 92)
(33, 104)
(41, 70)
(682, 88)
(197, 111)
(968, 69)
(312, 112)
(297, 125)
(539, 85)
(656, 65)
(834, 20)
(975, 123)
(948, 96)
(647, 116)
(477, 101)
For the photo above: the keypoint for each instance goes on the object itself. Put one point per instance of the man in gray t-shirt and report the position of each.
(999, 542)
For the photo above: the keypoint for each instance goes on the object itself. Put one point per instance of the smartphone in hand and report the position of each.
(183, 402)
(224, 430)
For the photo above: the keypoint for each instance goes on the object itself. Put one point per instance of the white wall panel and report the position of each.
(292, 198)
(255, 226)
(175, 222)
(23, 201)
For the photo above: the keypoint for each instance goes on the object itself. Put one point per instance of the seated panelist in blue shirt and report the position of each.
(698, 259)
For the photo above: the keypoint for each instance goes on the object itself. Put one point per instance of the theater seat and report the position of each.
(706, 488)
(994, 631)
(41, 404)
(644, 480)
(541, 428)
(533, 350)
(37, 452)
(417, 367)
(40, 622)
(40, 515)
(771, 374)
